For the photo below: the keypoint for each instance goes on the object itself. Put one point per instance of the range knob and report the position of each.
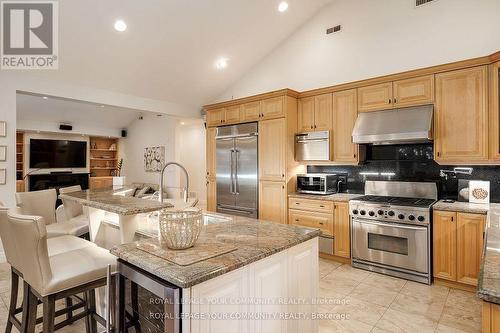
(411, 217)
(391, 213)
(401, 216)
(421, 218)
(380, 212)
(371, 213)
(354, 211)
(362, 212)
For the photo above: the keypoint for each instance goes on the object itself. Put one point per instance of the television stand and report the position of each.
(57, 180)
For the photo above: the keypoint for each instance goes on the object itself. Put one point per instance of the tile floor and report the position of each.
(360, 301)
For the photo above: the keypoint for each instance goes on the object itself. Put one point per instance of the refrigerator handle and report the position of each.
(231, 187)
(237, 184)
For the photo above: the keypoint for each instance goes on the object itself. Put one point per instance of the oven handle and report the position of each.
(398, 225)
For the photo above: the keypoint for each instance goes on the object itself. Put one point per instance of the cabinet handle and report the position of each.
(321, 206)
(297, 203)
(354, 155)
(297, 220)
(283, 186)
(438, 154)
(334, 206)
(452, 219)
(321, 223)
(389, 101)
(315, 126)
(311, 126)
(282, 175)
(394, 101)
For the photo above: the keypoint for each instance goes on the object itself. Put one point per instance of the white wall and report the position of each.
(190, 147)
(26, 81)
(53, 127)
(378, 38)
(151, 131)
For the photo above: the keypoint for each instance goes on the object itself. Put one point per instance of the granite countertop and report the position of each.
(464, 207)
(253, 239)
(338, 197)
(114, 201)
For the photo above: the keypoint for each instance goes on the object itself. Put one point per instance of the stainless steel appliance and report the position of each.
(237, 179)
(390, 229)
(319, 183)
(395, 126)
(312, 146)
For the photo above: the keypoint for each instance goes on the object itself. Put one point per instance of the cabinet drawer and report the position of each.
(318, 206)
(322, 221)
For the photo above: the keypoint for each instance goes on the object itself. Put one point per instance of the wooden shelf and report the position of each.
(102, 168)
(102, 149)
(103, 159)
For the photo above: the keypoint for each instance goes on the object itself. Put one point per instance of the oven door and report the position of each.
(311, 184)
(397, 245)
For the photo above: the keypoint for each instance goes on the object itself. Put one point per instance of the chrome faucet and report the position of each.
(186, 189)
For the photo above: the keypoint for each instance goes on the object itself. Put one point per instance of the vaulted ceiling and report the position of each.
(170, 46)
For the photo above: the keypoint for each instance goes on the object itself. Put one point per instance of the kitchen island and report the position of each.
(271, 273)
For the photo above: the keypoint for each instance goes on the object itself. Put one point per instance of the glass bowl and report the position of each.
(179, 229)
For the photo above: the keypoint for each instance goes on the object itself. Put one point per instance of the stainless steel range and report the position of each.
(390, 229)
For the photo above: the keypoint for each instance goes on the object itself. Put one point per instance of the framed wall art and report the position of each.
(3, 176)
(154, 158)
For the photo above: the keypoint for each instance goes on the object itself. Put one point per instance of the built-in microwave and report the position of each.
(312, 146)
(320, 183)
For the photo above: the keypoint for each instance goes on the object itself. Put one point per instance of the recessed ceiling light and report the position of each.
(283, 6)
(120, 25)
(221, 63)
(101, 106)
(45, 97)
(183, 123)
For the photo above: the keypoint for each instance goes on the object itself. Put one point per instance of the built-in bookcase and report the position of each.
(20, 162)
(103, 156)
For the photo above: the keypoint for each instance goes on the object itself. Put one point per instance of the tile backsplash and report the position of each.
(409, 163)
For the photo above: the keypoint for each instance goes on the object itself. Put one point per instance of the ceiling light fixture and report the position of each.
(45, 97)
(183, 123)
(120, 25)
(221, 63)
(283, 6)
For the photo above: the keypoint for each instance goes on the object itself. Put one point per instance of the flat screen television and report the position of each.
(48, 154)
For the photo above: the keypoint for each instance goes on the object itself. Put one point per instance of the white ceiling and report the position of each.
(170, 46)
(56, 110)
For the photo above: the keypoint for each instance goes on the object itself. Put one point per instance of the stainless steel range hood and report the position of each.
(395, 126)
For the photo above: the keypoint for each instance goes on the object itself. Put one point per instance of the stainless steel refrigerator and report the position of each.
(237, 167)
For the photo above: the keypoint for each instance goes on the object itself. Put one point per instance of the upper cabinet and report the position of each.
(315, 113)
(414, 91)
(344, 117)
(401, 93)
(232, 114)
(273, 108)
(494, 111)
(461, 116)
(250, 111)
(224, 116)
(376, 97)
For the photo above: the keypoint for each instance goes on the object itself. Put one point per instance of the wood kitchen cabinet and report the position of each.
(342, 230)
(490, 318)
(315, 113)
(250, 111)
(216, 117)
(100, 182)
(211, 152)
(494, 121)
(401, 93)
(272, 145)
(457, 246)
(344, 117)
(322, 221)
(211, 195)
(232, 115)
(461, 116)
(272, 108)
(272, 201)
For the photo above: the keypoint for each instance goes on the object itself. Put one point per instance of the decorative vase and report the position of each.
(180, 229)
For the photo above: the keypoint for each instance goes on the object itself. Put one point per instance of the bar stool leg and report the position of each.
(49, 309)
(92, 309)
(30, 305)
(14, 289)
(69, 303)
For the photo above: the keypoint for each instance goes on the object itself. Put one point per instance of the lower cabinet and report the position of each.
(332, 218)
(490, 318)
(100, 182)
(457, 245)
(211, 195)
(272, 201)
(261, 288)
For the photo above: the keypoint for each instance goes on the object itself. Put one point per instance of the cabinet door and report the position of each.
(322, 221)
(211, 195)
(376, 97)
(342, 229)
(445, 245)
(216, 117)
(219, 297)
(494, 140)
(250, 111)
(233, 114)
(272, 150)
(210, 144)
(306, 114)
(461, 131)
(269, 281)
(323, 112)
(272, 201)
(470, 228)
(414, 91)
(273, 108)
(344, 117)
